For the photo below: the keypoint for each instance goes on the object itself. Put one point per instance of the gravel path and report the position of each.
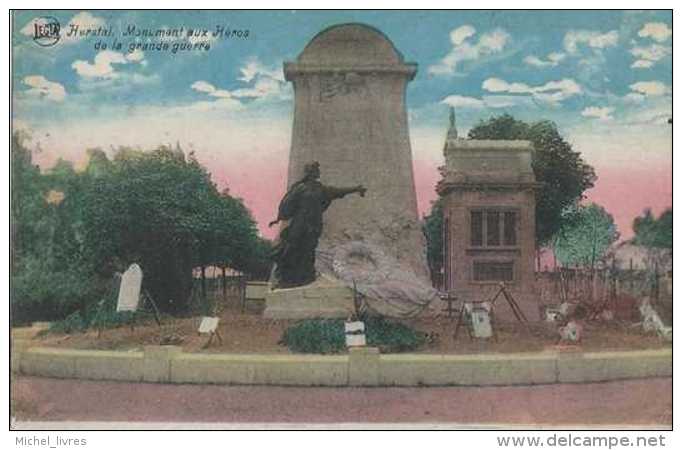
(633, 402)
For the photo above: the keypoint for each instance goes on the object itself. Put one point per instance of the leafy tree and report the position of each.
(28, 208)
(162, 210)
(48, 280)
(564, 175)
(587, 232)
(652, 232)
(433, 231)
(72, 230)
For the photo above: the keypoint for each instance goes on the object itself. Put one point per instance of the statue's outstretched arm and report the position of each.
(340, 192)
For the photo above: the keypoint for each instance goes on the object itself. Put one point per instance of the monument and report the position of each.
(350, 116)
(129, 290)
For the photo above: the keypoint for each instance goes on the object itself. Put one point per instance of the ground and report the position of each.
(250, 333)
(612, 404)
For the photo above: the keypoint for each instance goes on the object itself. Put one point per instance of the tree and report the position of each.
(156, 208)
(564, 175)
(162, 210)
(586, 233)
(48, 277)
(654, 233)
(433, 231)
(28, 208)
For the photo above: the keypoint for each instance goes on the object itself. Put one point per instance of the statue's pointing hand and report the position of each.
(361, 190)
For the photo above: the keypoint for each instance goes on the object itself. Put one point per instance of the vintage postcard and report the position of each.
(341, 219)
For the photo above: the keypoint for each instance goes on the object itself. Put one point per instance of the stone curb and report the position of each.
(360, 367)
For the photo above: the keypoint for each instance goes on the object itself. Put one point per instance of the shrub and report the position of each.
(392, 337)
(99, 314)
(328, 336)
(315, 336)
(72, 323)
(38, 293)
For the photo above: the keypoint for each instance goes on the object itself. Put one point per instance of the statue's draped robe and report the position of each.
(302, 207)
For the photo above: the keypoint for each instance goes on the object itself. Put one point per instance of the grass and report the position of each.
(328, 336)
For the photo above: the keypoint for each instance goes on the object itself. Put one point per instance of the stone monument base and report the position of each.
(323, 299)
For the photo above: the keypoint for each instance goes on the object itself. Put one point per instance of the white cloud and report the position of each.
(464, 49)
(594, 39)
(203, 86)
(553, 59)
(657, 31)
(136, 56)
(102, 66)
(487, 101)
(551, 92)
(634, 97)
(506, 101)
(263, 84)
(208, 88)
(642, 64)
(648, 56)
(85, 20)
(43, 88)
(254, 68)
(601, 113)
(459, 101)
(459, 35)
(656, 113)
(650, 88)
(263, 87)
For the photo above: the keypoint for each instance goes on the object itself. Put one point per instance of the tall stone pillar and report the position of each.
(350, 116)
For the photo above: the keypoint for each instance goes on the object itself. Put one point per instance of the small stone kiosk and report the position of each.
(488, 191)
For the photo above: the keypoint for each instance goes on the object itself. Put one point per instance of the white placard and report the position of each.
(208, 324)
(480, 321)
(355, 327)
(129, 292)
(355, 340)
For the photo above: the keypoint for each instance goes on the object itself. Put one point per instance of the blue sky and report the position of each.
(604, 77)
(602, 68)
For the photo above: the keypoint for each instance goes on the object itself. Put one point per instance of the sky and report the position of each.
(604, 77)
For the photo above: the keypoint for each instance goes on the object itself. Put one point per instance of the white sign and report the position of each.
(355, 327)
(208, 324)
(480, 319)
(129, 292)
(355, 334)
(355, 340)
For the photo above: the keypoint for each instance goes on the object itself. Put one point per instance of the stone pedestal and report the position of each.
(323, 299)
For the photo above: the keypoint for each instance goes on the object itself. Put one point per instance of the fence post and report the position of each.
(224, 286)
(656, 290)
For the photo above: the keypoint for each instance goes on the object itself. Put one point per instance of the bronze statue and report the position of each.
(302, 207)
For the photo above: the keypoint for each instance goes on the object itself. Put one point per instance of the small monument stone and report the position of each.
(129, 292)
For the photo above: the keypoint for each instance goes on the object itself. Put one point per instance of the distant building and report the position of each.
(488, 190)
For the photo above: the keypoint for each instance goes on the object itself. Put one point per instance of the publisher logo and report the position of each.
(46, 31)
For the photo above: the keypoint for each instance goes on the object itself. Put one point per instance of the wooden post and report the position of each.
(656, 290)
(242, 291)
(203, 283)
(224, 284)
